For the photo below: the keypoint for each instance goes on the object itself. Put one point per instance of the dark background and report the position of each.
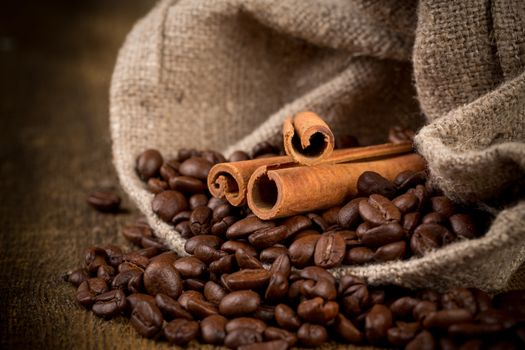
(56, 59)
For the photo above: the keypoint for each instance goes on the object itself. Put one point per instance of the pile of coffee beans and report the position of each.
(222, 295)
(388, 220)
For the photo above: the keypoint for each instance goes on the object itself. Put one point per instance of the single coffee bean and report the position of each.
(408, 178)
(181, 332)
(269, 255)
(213, 157)
(277, 287)
(162, 277)
(190, 267)
(330, 215)
(318, 311)
(246, 261)
(238, 156)
(463, 225)
(198, 200)
(403, 333)
(329, 250)
(171, 308)
(169, 170)
(76, 277)
(391, 251)
(220, 228)
(267, 237)
(129, 280)
(233, 246)
(201, 308)
(134, 233)
(407, 202)
(222, 211)
(423, 341)
(315, 273)
(150, 242)
(442, 205)
(194, 284)
(318, 222)
(247, 279)
(445, 318)
(423, 309)
(104, 201)
(185, 153)
(274, 333)
(427, 237)
(213, 329)
(243, 228)
(312, 335)
(168, 203)
(242, 336)
(134, 298)
(434, 218)
(148, 164)
(89, 289)
(381, 235)
(208, 254)
(348, 216)
(281, 265)
(106, 272)
(286, 318)
(197, 167)
(208, 240)
(181, 216)
(226, 264)
(214, 292)
(169, 256)
(156, 185)
(347, 330)
(187, 184)
(358, 256)
(371, 182)
(265, 313)
(323, 288)
(301, 251)
(246, 322)
(239, 303)
(387, 209)
(378, 321)
(187, 295)
(410, 222)
(403, 307)
(296, 223)
(109, 304)
(146, 318)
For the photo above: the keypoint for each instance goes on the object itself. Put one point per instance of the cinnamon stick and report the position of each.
(279, 192)
(230, 180)
(307, 138)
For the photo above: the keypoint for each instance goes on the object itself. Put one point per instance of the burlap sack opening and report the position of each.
(224, 74)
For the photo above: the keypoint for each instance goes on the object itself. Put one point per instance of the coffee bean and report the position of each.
(323, 288)
(318, 222)
(169, 257)
(348, 216)
(76, 277)
(171, 308)
(208, 254)
(156, 185)
(104, 201)
(190, 267)
(246, 322)
(247, 279)
(312, 335)
(109, 304)
(133, 300)
(225, 264)
(330, 215)
(246, 261)
(423, 341)
(162, 277)
(181, 331)
(233, 246)
(463, 225)
(200, 308)
(242, 336)
(422, 195)
(371, 182)
(268, 255)
(403, 307)
(129, 280)
(169, 170)
(196, 167)
(151, 242)
(423, 309)
(220, 228)
(198, 200)
(442, 205)
(264, 313)
(391, 251)
(213, 329)
(318, 311)
(168, 203)
(106, 272)
(378, 321)
(194, 284)
(296, 223)
(239, 303)
(358, 256)
(409, 178)
(403, 333)
(187, 184)
(457, 298)
(208, 240)
(274, 333)
(89, 289)
(187, 295)
(213, 157)
(406, 202)
(277, 287)
(329, 250)
(445, 318)
(243, 228)
(214, 292)
(134, 233)
(146, 318)
(301, 251)
(267, 237)
(410, 222)
(238, 156)
(286, 318)
(381, 235)
(184, 229)
(148, 164)
(426, 238)
(387, 209)
(315, 273)
(347, 330)
(434, 218)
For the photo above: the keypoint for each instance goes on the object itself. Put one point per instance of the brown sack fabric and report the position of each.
(224, 74)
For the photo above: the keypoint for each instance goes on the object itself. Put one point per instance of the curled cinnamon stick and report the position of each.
(307, 138)
(274, 193)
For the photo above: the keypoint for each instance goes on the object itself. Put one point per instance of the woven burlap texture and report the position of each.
(224, 74)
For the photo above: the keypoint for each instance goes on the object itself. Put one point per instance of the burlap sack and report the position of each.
(224, 74)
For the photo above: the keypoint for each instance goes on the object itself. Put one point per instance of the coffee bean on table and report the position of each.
(104, 201)
(146, 318)
(329, 250)
(181, 331)
(246, 322)
(171, 308)
(168, 203)
(348, 216)
(378, 321)
(162, 277)
(302, 250)
(312, 335)
(148, 164)
(89, 289)
(109, 304)
(239, 303)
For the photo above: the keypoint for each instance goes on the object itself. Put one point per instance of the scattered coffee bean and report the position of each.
(104, 201)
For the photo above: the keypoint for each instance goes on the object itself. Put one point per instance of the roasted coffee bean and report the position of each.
(442, 205)
(214, 202)
(233, 246)
(318, 222)
(169, 170)
(315, 273)
(238, 156)
(198, 200)
(281, 265)
(194, 284)
(358, 256)
(220, 228)
(187, 184)
(316, 310)
(301, 251)
(362, 228)
(76, 277)
(403, 307)
(104, 201)
(169, 256)
(226, 264)
(345, 329)
(150, 242)
(330, 215)
(391, 251)
(95, 257)
(171, 308)
(196, 167)
(445, 318)
(274, 333)
(423, 309)
(371, 182)
(180, 217)
(208, 240)
(129, 280)
(323, 288)
(246, 322)
(243, 228)
(208, 254)
(423, 341)
(377, 322)
(427, 237)
(410, 222)
(247, 279)
(213, 329)
(222, 211)
(109, 304)
(168, 203)
(239, 303)
(265, 313)
(286, 318)
(459, 298)
(201, 308)
(185, 153)
(403, 333)
(214, 292)
(474, 330)
(146, 318)
(133, 300)
(297, 223)
(277, 287)
(213, 157)
(156, 185)
(329, 250)
(134, 233)
(187, 295)
(463, 225)
(190, 267)
(148, 164)
(381, 235)
(422, 195)
(106, 272)
(387, 209)
(89, 289)
(181, 331)
(267, 237)
(348, 216)
(312, 335)
(242, 336)
(434, 218)
(162, 277)
(246, 261)
(406, 202)
(408, 178)
(269, 255)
